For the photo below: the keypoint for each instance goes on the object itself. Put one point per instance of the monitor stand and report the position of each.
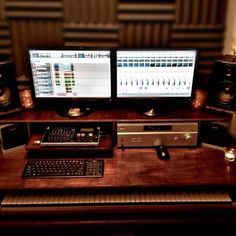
(153, 110)
(74, 111)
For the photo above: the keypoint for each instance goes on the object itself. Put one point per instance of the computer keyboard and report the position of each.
(45, 168)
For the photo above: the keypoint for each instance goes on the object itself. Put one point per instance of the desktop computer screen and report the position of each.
(70, 75)
(151, 75)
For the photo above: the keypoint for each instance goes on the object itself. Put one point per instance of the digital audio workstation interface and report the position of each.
(62, 73)
(150, 73)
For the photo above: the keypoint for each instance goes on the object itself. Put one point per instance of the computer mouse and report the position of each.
(162, 152)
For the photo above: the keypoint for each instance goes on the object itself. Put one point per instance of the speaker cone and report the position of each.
(225, 92)
(5, 95)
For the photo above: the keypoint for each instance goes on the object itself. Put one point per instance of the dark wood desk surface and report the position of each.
(201, 166)
(129, 167)
(116, 115)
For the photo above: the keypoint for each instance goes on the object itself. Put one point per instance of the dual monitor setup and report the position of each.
(73, 79)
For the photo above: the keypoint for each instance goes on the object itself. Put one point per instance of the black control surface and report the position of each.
(71, 136)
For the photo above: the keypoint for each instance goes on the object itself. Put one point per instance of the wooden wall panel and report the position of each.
(145, 24)
(115, 23)
(148, 34)
(35, 33)
(5, 40)
(146, 11)
(2, 12)
(90, 35)
(33, 23)
(50, 9)
(90, 11)
(200, 11)
(200, 24)
(90, 23)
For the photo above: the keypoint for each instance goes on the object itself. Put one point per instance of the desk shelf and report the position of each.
(104, 150)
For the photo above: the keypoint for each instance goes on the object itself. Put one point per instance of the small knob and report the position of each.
(176, 139)
(188, 138)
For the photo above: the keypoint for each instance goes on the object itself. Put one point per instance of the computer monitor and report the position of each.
(154, 77)
(70, 78)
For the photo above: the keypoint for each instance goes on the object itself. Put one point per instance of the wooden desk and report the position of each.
(139, 169)
(128, 168)
(189, 168)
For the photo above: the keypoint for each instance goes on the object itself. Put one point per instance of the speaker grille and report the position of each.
(225, 92)
(5, 95)
(222, 84)
(9, 94)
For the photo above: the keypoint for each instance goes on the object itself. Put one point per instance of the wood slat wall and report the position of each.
(200, 24)
(5, 42)
(197, 24)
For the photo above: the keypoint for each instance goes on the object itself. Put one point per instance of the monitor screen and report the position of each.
(155, 73)
(70, 74)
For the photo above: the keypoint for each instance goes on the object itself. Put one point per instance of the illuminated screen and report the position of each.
(62, 73)
(155, 73)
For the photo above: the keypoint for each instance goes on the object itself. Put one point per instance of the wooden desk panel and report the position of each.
(116, 115)
(128, 168)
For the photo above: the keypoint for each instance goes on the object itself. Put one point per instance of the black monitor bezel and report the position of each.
(54, 102)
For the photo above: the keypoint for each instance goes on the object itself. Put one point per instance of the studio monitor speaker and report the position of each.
(222, 83)
(9, 94)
